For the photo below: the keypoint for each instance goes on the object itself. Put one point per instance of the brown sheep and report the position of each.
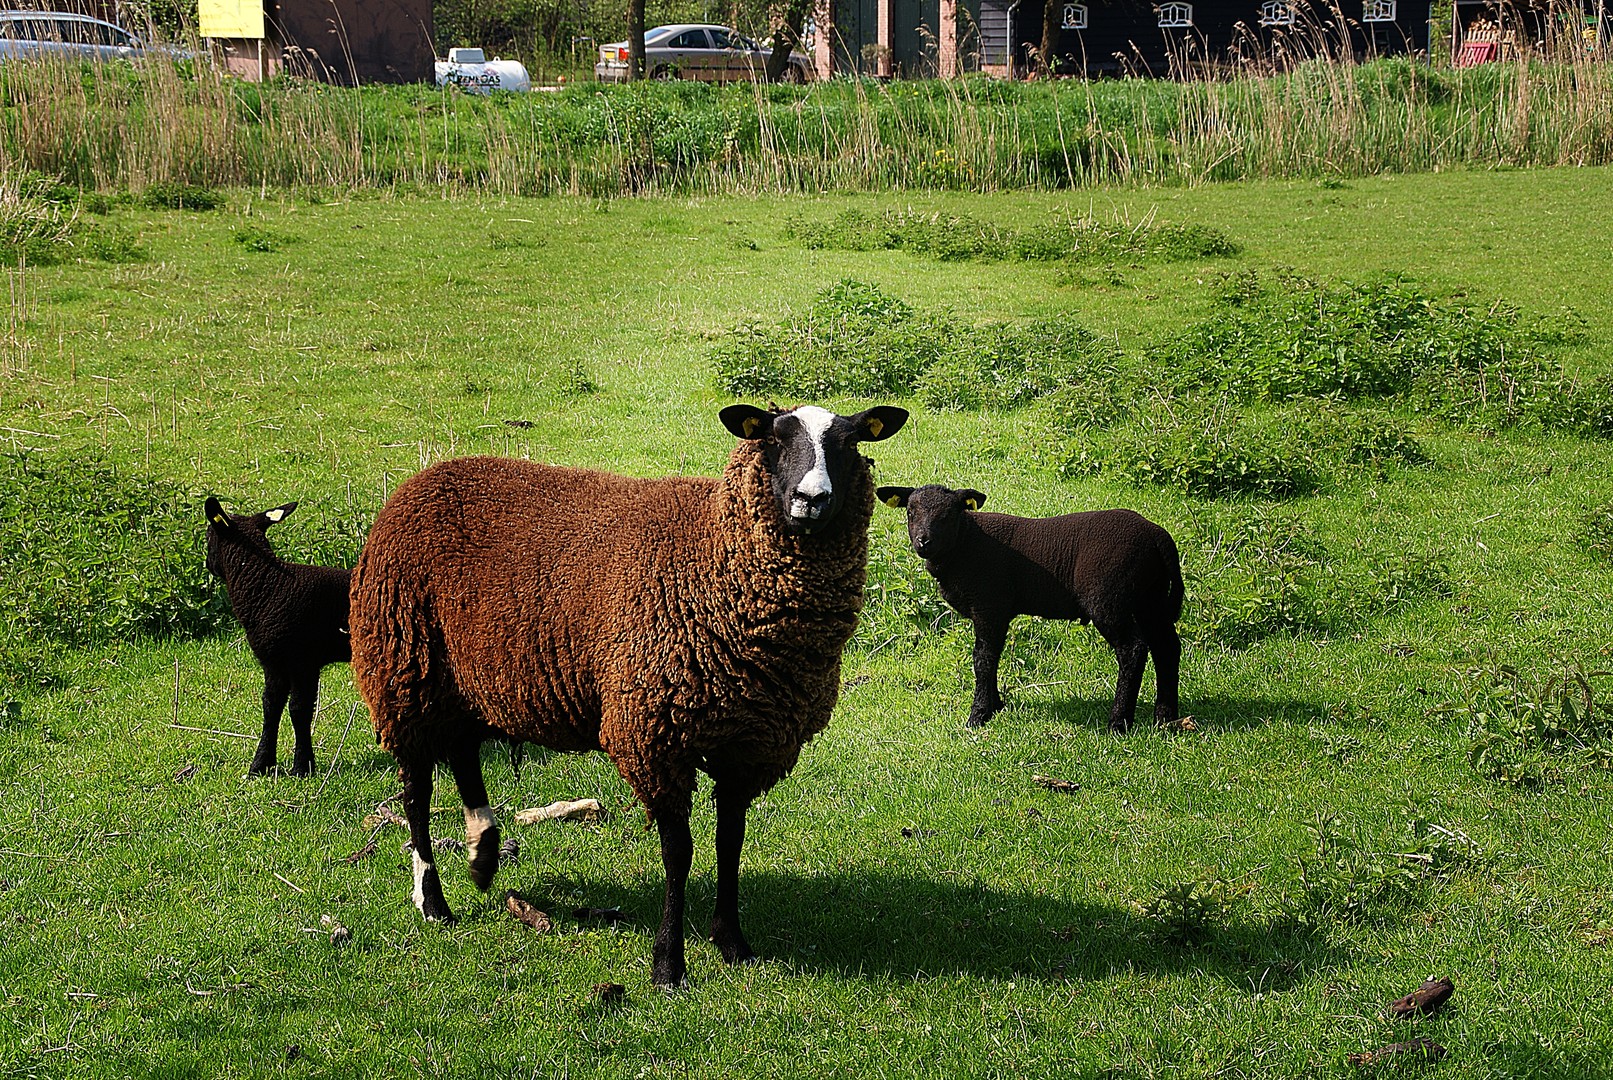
(1112, 568)
(678, 624)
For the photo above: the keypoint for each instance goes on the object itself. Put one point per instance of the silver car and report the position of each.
(64, 34)
(698, 51)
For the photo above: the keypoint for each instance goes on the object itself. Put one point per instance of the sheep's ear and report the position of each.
(880, 422)
(747, 421)
(972, 499)
(279, 513)
(215, 513)
(893, 496)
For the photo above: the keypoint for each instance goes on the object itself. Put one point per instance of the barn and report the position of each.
(340, 41)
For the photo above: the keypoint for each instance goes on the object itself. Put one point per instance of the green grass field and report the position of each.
(1398, 764)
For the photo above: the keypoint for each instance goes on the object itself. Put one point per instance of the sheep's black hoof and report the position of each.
(1119, 725)
(732, 944)
(303, 768)
(438, 912)
(484, 861)
(669, 977)
(260, 768)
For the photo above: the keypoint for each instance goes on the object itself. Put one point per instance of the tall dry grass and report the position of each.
(1296, 109)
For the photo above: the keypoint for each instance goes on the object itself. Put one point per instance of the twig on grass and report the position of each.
(300, 890)
(351, 713)
(215, 731)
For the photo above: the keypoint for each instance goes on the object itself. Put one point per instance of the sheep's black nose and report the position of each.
(811, 507)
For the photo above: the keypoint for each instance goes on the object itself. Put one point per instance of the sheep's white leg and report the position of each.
(481, 830)
(481, 844)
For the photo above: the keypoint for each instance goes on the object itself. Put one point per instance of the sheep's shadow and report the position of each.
(1218, 712)
(876, 923)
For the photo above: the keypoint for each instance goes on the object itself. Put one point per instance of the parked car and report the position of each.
(698, 51)
(64, 34)
(473, 72)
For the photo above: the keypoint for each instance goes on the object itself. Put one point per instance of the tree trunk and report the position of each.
(1052, 20)
(635, 39)
(786, 36)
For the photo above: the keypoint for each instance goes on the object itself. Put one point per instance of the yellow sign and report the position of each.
(231, 18)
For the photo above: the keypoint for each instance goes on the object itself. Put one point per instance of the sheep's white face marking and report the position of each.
(806, 502)
(477, 822)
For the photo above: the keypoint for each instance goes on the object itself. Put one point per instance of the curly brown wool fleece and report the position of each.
(674, 623)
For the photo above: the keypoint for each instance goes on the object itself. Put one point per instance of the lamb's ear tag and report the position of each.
(274, 515)
(893, 500)
(221, 521)
(750, 424)
(970, 504)
(875, 426)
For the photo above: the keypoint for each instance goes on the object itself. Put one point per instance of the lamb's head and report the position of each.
(238, 531)
(934, 514)
(812, 455)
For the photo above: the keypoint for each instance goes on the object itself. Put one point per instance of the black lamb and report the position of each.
(1112, 568)
(295, 618)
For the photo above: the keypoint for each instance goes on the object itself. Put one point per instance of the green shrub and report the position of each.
(255, 237)
(173, 195)
(853, 340)
(1006, 366)
(92, 555)
(856, 340)
(1214, 454)
(1279, 337)
(958, 237)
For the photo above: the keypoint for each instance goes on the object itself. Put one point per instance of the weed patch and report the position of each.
(1350, 881)
(1277, 337)
(1260, 571)
(1529, 730)
(1595, 533)
(855, 339)
(174, 195)
(1213, 451)
(254, 237)
(960, 236)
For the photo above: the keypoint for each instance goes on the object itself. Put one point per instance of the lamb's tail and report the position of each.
(1175, 590)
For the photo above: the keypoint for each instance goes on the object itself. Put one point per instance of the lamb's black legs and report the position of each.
(481, 830)
(304, 696)
(428, 898)
(989, 640)
(732, 807)
(677, 852)
(1133, 658)
(276, 689)
(1166, 647)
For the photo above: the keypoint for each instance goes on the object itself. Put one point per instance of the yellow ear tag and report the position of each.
(274, 516)
(220, 519)
(875, 426)
(750, 425)
(970, 504)
(894, 500)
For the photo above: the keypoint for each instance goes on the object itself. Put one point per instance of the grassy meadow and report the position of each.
(1375, 413)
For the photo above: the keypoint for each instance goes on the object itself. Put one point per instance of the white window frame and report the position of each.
(1378, 11)
(1175, 15)
(1278, 13)
(1075, 16)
